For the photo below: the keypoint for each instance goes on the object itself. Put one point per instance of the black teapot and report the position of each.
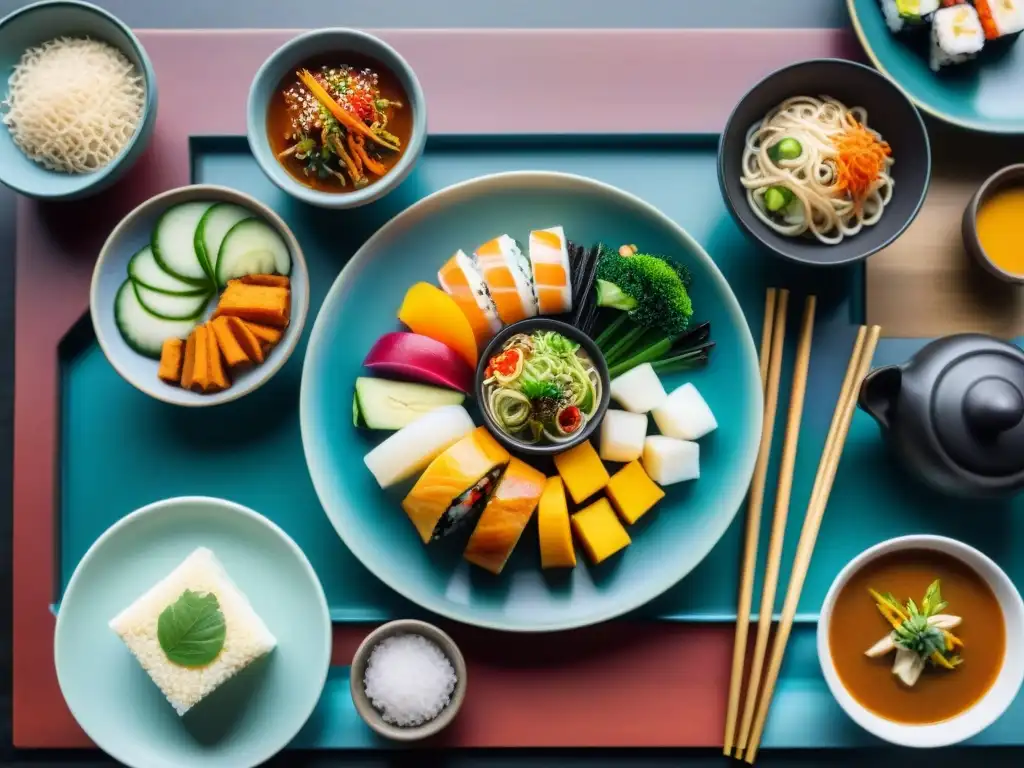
(954, 413)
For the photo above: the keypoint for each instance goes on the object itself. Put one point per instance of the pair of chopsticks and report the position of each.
(751, 727)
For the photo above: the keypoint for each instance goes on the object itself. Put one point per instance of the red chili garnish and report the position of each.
(362, 105)
(569, 419)
(504, 363)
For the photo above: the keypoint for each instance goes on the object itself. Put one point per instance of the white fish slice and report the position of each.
(908, 667)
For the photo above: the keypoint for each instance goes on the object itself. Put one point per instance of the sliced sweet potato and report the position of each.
(189, 364)
(171, 358)
(201, 369)
(219, 380)
(246, 340)
(277, 281)
(233, 353)
(267, 305)
(268, 336)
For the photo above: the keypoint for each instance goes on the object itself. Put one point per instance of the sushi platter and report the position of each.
(494, 373)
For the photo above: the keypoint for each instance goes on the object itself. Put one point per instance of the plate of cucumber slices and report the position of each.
(199, 295)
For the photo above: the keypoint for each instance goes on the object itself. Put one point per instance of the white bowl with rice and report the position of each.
(77, 102)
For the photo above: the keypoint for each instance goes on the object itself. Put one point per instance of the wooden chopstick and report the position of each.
(772, 341)
(860, 363)
(782, 497)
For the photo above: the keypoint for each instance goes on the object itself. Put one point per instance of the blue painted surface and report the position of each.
(161, 452)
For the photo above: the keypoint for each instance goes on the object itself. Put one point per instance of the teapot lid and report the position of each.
(978, 410)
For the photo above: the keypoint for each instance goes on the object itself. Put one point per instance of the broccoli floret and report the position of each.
(650, 288)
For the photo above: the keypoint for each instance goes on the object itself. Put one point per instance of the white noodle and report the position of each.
(828, 213)
(73, 104)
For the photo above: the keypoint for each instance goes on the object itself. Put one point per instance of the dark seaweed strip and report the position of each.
(588, 302)
(578, 267)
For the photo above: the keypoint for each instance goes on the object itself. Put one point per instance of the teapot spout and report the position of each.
(878, 393)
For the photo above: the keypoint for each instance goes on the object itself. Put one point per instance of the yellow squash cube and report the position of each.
(556, 549)
(582, 471)
(600, 531)
(633, 493)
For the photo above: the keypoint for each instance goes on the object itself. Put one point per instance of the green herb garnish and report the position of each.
(191, 630)
(539, 390)
(913, 630)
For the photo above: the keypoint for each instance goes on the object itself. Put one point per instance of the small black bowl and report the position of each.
(529, 326)
(1011, 175)
(890, 113)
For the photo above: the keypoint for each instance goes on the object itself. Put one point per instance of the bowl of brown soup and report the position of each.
(336, 118)
(916, 641)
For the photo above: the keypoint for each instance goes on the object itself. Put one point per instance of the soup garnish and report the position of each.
(337, 126)
(541, 387)
(920, 635)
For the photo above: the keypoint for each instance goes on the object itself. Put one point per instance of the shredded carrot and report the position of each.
(339, 112)
(371, 165)
(351, 141)
(861, 160)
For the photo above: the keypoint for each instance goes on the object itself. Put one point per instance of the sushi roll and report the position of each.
(957, 36)
(461, 280)
(908, 15)
(456, 486)
(1000, 19)
(507, 274)
(549, 257)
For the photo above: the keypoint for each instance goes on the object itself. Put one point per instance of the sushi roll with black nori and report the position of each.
(467, 507)
(908, 15)
(1000, 19)
(957, 36)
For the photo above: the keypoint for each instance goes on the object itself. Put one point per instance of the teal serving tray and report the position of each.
(121, 450)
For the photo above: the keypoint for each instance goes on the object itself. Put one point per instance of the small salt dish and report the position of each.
(371, 715)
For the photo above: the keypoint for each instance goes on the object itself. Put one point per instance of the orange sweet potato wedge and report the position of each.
(267, 305)
(189, 365)
(172, 355)
(201, 368)
(219, 380)
(246, 340)
(276, 281)
(268, 336)
(233, 353)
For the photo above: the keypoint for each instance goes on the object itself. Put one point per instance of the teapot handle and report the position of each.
(878, 393)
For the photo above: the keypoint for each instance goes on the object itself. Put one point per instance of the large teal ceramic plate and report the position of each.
(984, 95)
(245, 721)
(362, 305)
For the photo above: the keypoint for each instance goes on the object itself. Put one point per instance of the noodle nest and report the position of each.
(73, 104)
(820, 207)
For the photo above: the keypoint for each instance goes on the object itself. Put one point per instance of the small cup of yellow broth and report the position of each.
(993, 224)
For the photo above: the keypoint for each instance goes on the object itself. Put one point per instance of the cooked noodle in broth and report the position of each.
(813, 167)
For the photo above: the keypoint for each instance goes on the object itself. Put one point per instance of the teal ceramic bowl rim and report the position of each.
(732, 499)
(970, 125)
(275, 359)
(256, 119)
(157, 507)
(101, 177)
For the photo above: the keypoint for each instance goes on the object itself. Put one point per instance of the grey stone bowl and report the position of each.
(1008, 176)
(371, 716)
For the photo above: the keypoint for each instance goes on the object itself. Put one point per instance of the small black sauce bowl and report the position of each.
(890, 113)
(574, 334)
(1011, 175)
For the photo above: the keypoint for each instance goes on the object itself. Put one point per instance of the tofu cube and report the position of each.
(638, 390)
(600, 531)
(622, 435)
(685, 415)
(669, 461)
(246, 636)
(556, 550)
(633, 493)
(582, 471)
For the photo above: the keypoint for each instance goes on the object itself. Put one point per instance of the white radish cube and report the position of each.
(246, 637)
(669, 461)
(685, 415)
(638, 390)
(622, 435)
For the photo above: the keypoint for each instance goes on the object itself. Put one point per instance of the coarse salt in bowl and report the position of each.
(408, 680)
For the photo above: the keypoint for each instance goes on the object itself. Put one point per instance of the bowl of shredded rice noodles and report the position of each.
(77, 99)
(824, 162)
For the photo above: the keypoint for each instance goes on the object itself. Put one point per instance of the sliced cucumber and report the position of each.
(141, 330)
(213, 227)
(174, 242)
(143, 269)
(252, 247)
(387, 404)
(169, 306)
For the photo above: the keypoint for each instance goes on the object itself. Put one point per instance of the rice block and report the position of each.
(638, 390)
(622, 435)
(685, 415)
(246, 637)
(669, 461)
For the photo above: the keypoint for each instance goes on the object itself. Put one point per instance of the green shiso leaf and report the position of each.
(191, 629)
